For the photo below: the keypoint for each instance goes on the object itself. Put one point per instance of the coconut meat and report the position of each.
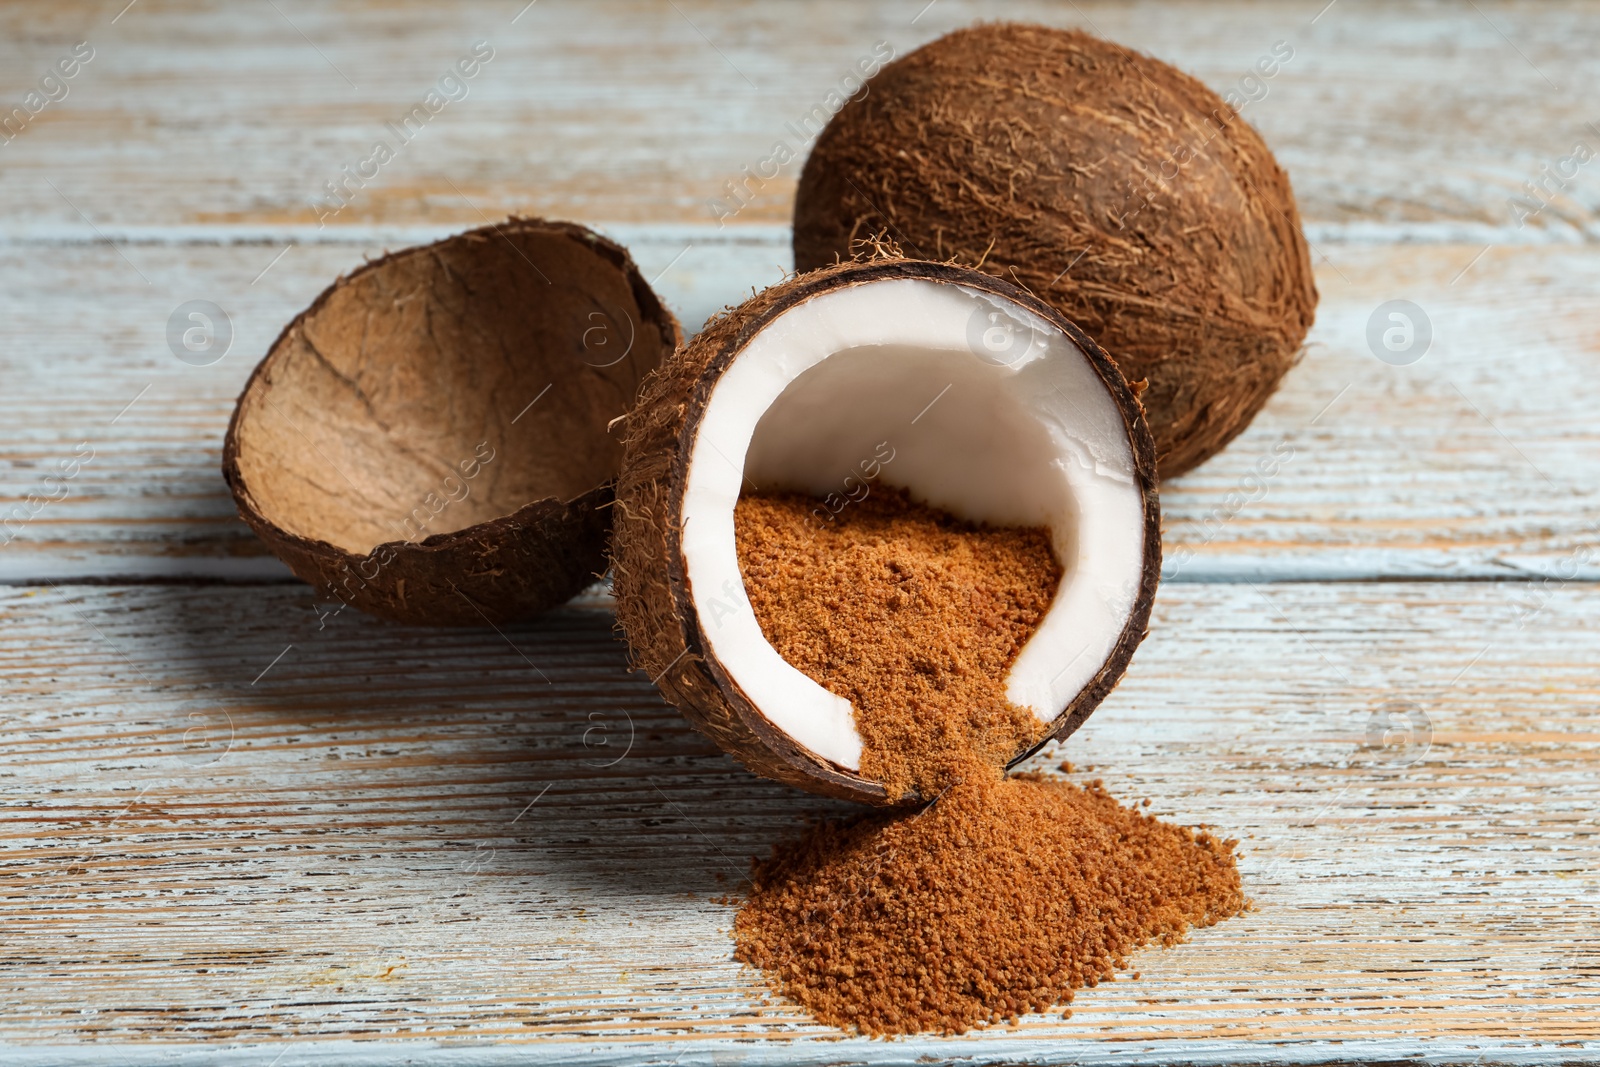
(969, 401)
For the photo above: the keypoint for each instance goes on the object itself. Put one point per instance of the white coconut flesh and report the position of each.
(984, 409)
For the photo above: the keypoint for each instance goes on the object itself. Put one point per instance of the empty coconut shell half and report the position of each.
(428, 440)
(998, 410)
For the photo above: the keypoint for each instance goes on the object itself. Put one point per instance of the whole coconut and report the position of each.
(1118, 189)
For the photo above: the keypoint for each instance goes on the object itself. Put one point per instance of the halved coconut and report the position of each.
(428, 440)
(996, 408)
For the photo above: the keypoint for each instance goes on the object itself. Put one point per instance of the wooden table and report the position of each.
(232, 819)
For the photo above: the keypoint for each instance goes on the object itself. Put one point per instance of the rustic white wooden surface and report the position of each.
(229, 823)
(402, 832)
(1416, 116)
(1476, 462)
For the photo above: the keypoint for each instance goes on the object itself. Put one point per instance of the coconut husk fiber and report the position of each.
(665, 633)
(428, 440)
(1113, 186)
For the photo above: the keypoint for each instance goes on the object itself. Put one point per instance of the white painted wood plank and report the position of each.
(692, 1052)
(1478, 461)
(343, 846)
(89, 370)
(1427, 117)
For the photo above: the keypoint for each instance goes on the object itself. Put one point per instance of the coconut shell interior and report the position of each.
(1118, 189)
(672, 640)
(439, 419)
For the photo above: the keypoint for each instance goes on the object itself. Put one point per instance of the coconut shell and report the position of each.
(1120, 190)
(654, 608)
(428, 440)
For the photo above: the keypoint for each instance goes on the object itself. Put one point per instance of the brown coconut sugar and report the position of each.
(910, 614)
(1001, 896)
(996, 901)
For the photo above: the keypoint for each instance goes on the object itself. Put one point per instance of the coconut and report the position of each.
(428, 440)
(997, 409)
(1120, 190)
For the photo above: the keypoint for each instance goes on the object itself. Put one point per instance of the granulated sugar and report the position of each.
(1002, 895)
(908, 613)
(998, 900)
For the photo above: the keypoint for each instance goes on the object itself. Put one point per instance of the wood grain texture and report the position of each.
(408, 833)
(1387, 115)
(237, 821)
(88, 361)
(1475, 462)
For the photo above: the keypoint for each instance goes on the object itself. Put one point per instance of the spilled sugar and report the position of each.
(1004, 894)
(909, 614)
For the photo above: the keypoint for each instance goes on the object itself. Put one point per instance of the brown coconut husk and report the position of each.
(1120, 190)
(428, 440)
(654, 609)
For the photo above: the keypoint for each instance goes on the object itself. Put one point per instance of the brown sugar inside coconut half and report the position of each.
(428, 441)
(1120, 190)
(996, 408)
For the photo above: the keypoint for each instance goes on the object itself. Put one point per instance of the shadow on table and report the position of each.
(531, 748)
